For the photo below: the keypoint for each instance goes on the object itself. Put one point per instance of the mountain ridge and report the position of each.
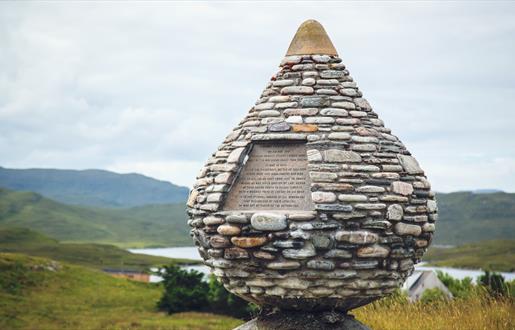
(93, 187)
(143, 226)
(465, 216)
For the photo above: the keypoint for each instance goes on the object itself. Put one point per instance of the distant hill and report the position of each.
(470, 217)
(101, 256)
(464, 217)
(144, 226)
(486, 191)
(497, 255)
(93, 187)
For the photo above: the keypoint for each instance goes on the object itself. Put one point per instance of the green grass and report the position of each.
(36, 293)
(22, 240)
(145, 226)
(497, 255)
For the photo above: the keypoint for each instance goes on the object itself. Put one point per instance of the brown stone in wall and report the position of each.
(248, 242)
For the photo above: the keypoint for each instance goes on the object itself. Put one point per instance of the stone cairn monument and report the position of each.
(311, 207)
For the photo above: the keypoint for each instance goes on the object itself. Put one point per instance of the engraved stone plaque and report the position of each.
(275, 177)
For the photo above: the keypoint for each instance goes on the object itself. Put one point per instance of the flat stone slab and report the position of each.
(295, 320)
(272, 172)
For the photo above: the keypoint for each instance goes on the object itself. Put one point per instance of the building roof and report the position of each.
(423, 280)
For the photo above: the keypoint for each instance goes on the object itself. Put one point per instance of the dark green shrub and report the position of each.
(187, 291)
(222, 301)
(459, 288)
(495, 284)
(433, 295)
(184, 290)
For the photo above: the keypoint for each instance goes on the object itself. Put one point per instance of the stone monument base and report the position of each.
(301, 320)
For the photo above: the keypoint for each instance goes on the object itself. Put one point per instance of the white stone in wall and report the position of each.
(402, 188)
(341, 156)
(235, 155)
(268, 221)
(407, 229)
(323, 197)
(410, 164)
(344, 105)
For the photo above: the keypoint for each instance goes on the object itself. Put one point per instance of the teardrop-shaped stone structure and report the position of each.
(311, 203)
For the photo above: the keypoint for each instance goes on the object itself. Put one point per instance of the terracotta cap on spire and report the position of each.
(311, 39)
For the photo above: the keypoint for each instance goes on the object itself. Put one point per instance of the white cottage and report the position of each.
(421, 281)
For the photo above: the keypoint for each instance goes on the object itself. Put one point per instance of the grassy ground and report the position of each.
(21, 240)
(478, 312)
(498, 255)
(36, 293)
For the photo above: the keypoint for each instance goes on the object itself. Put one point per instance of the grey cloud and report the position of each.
(154, 87)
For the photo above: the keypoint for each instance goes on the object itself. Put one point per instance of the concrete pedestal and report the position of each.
(301, 320)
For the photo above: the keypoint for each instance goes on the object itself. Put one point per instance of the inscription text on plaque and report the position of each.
(275, 177)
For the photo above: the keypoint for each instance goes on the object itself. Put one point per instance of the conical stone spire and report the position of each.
(341, 211)
(311, 39)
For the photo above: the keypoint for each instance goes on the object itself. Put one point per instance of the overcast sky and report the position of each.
(154, 88)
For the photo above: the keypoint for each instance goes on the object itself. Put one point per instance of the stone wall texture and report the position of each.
(374, 213)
